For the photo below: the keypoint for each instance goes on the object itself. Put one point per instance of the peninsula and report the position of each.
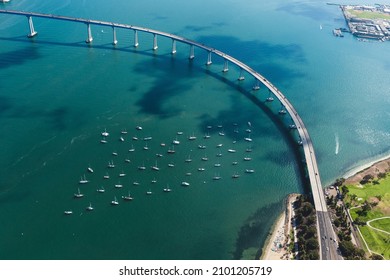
(369, 22)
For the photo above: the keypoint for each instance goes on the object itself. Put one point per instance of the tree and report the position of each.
(344, 190)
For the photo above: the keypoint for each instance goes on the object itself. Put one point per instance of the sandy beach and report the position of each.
(275, 247)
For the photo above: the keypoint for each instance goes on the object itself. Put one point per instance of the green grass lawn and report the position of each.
(383, 224)
(377, 241)
(368, 15)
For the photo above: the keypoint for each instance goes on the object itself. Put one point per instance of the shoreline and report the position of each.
(275, 246)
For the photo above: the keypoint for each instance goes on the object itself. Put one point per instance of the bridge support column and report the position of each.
(256, 86)
(225, 66)
(241, 77)
(114, 40)
(155, 47)
(209, 59)
(31, 25)
(135, 38)
(192, 52)
(173, 46)
(89, 34)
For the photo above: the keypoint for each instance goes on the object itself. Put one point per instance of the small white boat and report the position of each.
(217, 165)
(162, 144)
(248, 130)
(127, 197)
(124, 131)
(159, 155)
(217, 177)
(149, 192)
(89, 208)
(106, 176)
(201, 169)
(121, 139)
(115, 201)
(234, 163)
(201, 146)
(171, 165)
(68, 212)
(219, 154)
(188, 159)
(135, 138)
(209, 127)
(300, 143)
(111, 164)
(231, 151)
(248, 139)
(249, 171)
(192, 137)
(142, 167)
(136, 183)
(167, 189)
(205, 158)
(282, 112)
(249, 124)
(219, 126)
(248, 150)
(78, 194)
(127, 160)
(175, 142)
(235, 176)
(188, 174)
(270, 99)
(207, 136)
(122, 174)
(118, 186)
(114, 153)
(138, 127)
(219, 145)
(90, 170)
(221, 133)
(132, 149)
(154, 181)
(185, 184)
(247, 158)
(146, 147)
(179, 132)
(101, 190)
(83, 180)
(148, 138)
(155, 167)
(105, 133)
(103, 141)
(292, 126)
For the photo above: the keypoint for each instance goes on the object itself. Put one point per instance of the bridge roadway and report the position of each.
(327, 240)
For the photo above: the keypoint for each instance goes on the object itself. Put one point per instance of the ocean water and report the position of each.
(58, 94)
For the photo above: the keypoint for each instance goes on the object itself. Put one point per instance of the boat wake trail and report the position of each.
(337, 149)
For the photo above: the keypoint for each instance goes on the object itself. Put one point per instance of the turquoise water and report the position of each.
(57, 95)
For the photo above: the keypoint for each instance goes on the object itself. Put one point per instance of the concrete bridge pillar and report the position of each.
(173, 46)
(114, 40)
(192, 52)
(209, 59)
(135, 38)
(155, 47)
(31, 25)
(256, 86)
(241, 77)
(226, 66)
(89, 34)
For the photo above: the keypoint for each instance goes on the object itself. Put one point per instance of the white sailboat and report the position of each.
(105, 133)
(78, 194)
(83, 180)
(111, 164)
(155, 167)
(101, 190)
(89, 208)
(132, 148)
(185, 184)
(106, 176)
(127, 197)
(115, 201)
(90, 170)
(68, 212)
(188, 159)
(167, 189)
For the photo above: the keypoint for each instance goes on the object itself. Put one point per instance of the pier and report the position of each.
(328, 248)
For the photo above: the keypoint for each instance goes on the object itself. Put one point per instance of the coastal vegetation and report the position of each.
(368, 14)
(369, 205)
(305, 221)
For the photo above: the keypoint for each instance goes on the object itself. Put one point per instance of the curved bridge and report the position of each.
(328, 248)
